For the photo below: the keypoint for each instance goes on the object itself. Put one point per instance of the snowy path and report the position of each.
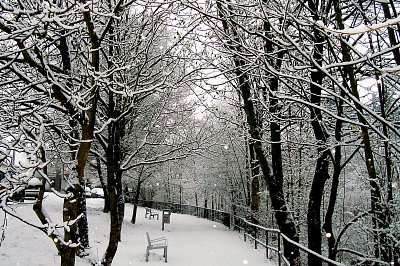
(191, 241)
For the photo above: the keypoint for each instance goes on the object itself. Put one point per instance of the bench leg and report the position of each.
(165, 254)
(147, 254)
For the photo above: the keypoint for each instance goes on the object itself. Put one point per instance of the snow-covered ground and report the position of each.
(191, 241)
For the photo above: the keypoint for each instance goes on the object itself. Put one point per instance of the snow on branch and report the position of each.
(361, 29)
(391, 69)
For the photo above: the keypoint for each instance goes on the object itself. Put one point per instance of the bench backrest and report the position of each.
(148, 238)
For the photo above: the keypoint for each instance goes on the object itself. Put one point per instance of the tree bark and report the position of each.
(114, 183)
(255, 184)
(106, 208)
(337, 168)
(38, 205)
(321, 174)
(136, 201)
(276, 149)
(87, 133)
(69, 214)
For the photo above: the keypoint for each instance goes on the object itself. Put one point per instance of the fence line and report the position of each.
(269, 238)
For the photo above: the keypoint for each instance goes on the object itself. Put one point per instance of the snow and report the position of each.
(191, 241)
(34, 181)
(362, 28)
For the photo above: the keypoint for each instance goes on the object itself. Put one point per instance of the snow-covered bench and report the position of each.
(151, 213)
(158, 243)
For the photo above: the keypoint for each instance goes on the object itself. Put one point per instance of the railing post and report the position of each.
(244, 230)
(255, 237)
(279, 249)
(266, 244)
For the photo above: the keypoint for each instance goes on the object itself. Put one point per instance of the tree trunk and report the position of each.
(394, 255)
(116, 218)
(275, 182)
(247, 177)
(205, 207)
(87, 124)
(135, 202)
(337, 168)
(134, 213)
(255, 184)
(321, 174)
(87, 121)
(38, 205)
(115, 190)
(106, 207)
(391, 31)
(69, 214)
(314, 207)
(83, 227)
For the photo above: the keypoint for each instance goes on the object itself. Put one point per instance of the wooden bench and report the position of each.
(151, 213)
(158, 243)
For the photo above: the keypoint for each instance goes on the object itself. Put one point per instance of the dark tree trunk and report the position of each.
(87, 123)
(314, 207)
(337, 168)
(38, 205)
(247, 176)
(69, 214)
(255, 184)
(393, 255)
(83, 227)
(134, 213)
(116, 218)
(205, 207)
(106, 207)
(135, 202)
(391, 31)
(321, 174)
(116, 131)
(276, 184)
(114, 184)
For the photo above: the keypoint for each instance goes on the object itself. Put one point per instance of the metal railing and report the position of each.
(269, 238)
